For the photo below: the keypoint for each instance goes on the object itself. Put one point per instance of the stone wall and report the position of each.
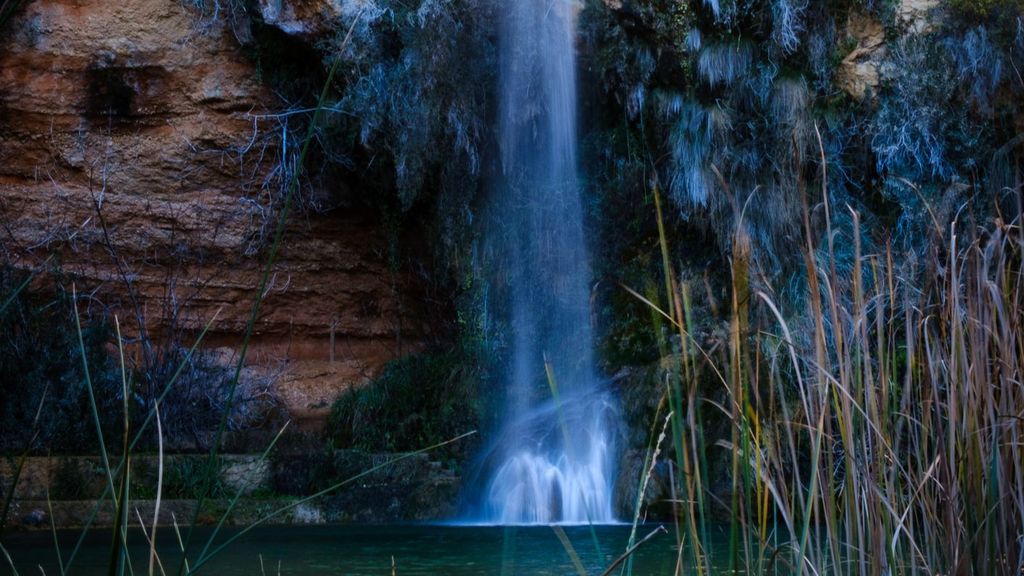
(65, 488)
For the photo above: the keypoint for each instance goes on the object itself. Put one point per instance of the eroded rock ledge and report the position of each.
(131, 150)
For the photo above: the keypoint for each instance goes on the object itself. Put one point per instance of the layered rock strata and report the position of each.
(138, 150)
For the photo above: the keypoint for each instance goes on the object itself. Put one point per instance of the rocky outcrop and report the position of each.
(83, 477)
(391, 488)
(307, 18)
(862, 70)
(917, 15)
(136, 151)
(413, 489)
(858, 72)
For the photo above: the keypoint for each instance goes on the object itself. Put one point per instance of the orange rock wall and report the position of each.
(134, 115)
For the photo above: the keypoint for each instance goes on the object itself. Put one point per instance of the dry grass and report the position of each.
(883, 436)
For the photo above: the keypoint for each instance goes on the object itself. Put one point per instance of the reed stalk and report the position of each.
(880, 432)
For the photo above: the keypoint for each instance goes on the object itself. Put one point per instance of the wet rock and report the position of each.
(656, 502)
(244, 474)
(34, 519)
(307, 514)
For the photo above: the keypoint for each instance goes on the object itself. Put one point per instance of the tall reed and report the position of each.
(881, 434)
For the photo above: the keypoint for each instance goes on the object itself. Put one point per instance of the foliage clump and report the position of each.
(405, 131)
(415, 93)
(983, 8)
(41, 371)
(418, 401)
(755, 118)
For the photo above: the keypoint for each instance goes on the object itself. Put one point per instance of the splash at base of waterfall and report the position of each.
(531, 489)
(544, 481)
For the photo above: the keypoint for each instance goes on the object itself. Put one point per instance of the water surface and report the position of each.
(368, 550)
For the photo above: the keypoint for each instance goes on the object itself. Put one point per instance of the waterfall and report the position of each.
(554, 460)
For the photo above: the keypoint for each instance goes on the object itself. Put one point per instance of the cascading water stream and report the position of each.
(555, 459)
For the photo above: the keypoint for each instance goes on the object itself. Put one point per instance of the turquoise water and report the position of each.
(368, 550)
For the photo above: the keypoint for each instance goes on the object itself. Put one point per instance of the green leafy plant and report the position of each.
(72, 480)
(185, 477)
(415, 401)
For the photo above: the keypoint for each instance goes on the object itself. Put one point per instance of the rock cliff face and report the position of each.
(132, 149)
(136, 146)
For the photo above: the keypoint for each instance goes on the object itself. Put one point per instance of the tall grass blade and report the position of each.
(238, 493)
(159, 491)
(632, 549)
(569, 549)
(7, 556)
(105, 459)
(138, 437)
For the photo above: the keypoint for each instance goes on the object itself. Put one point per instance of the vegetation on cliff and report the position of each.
(418, 401)
(42, 373)
(740, 117)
